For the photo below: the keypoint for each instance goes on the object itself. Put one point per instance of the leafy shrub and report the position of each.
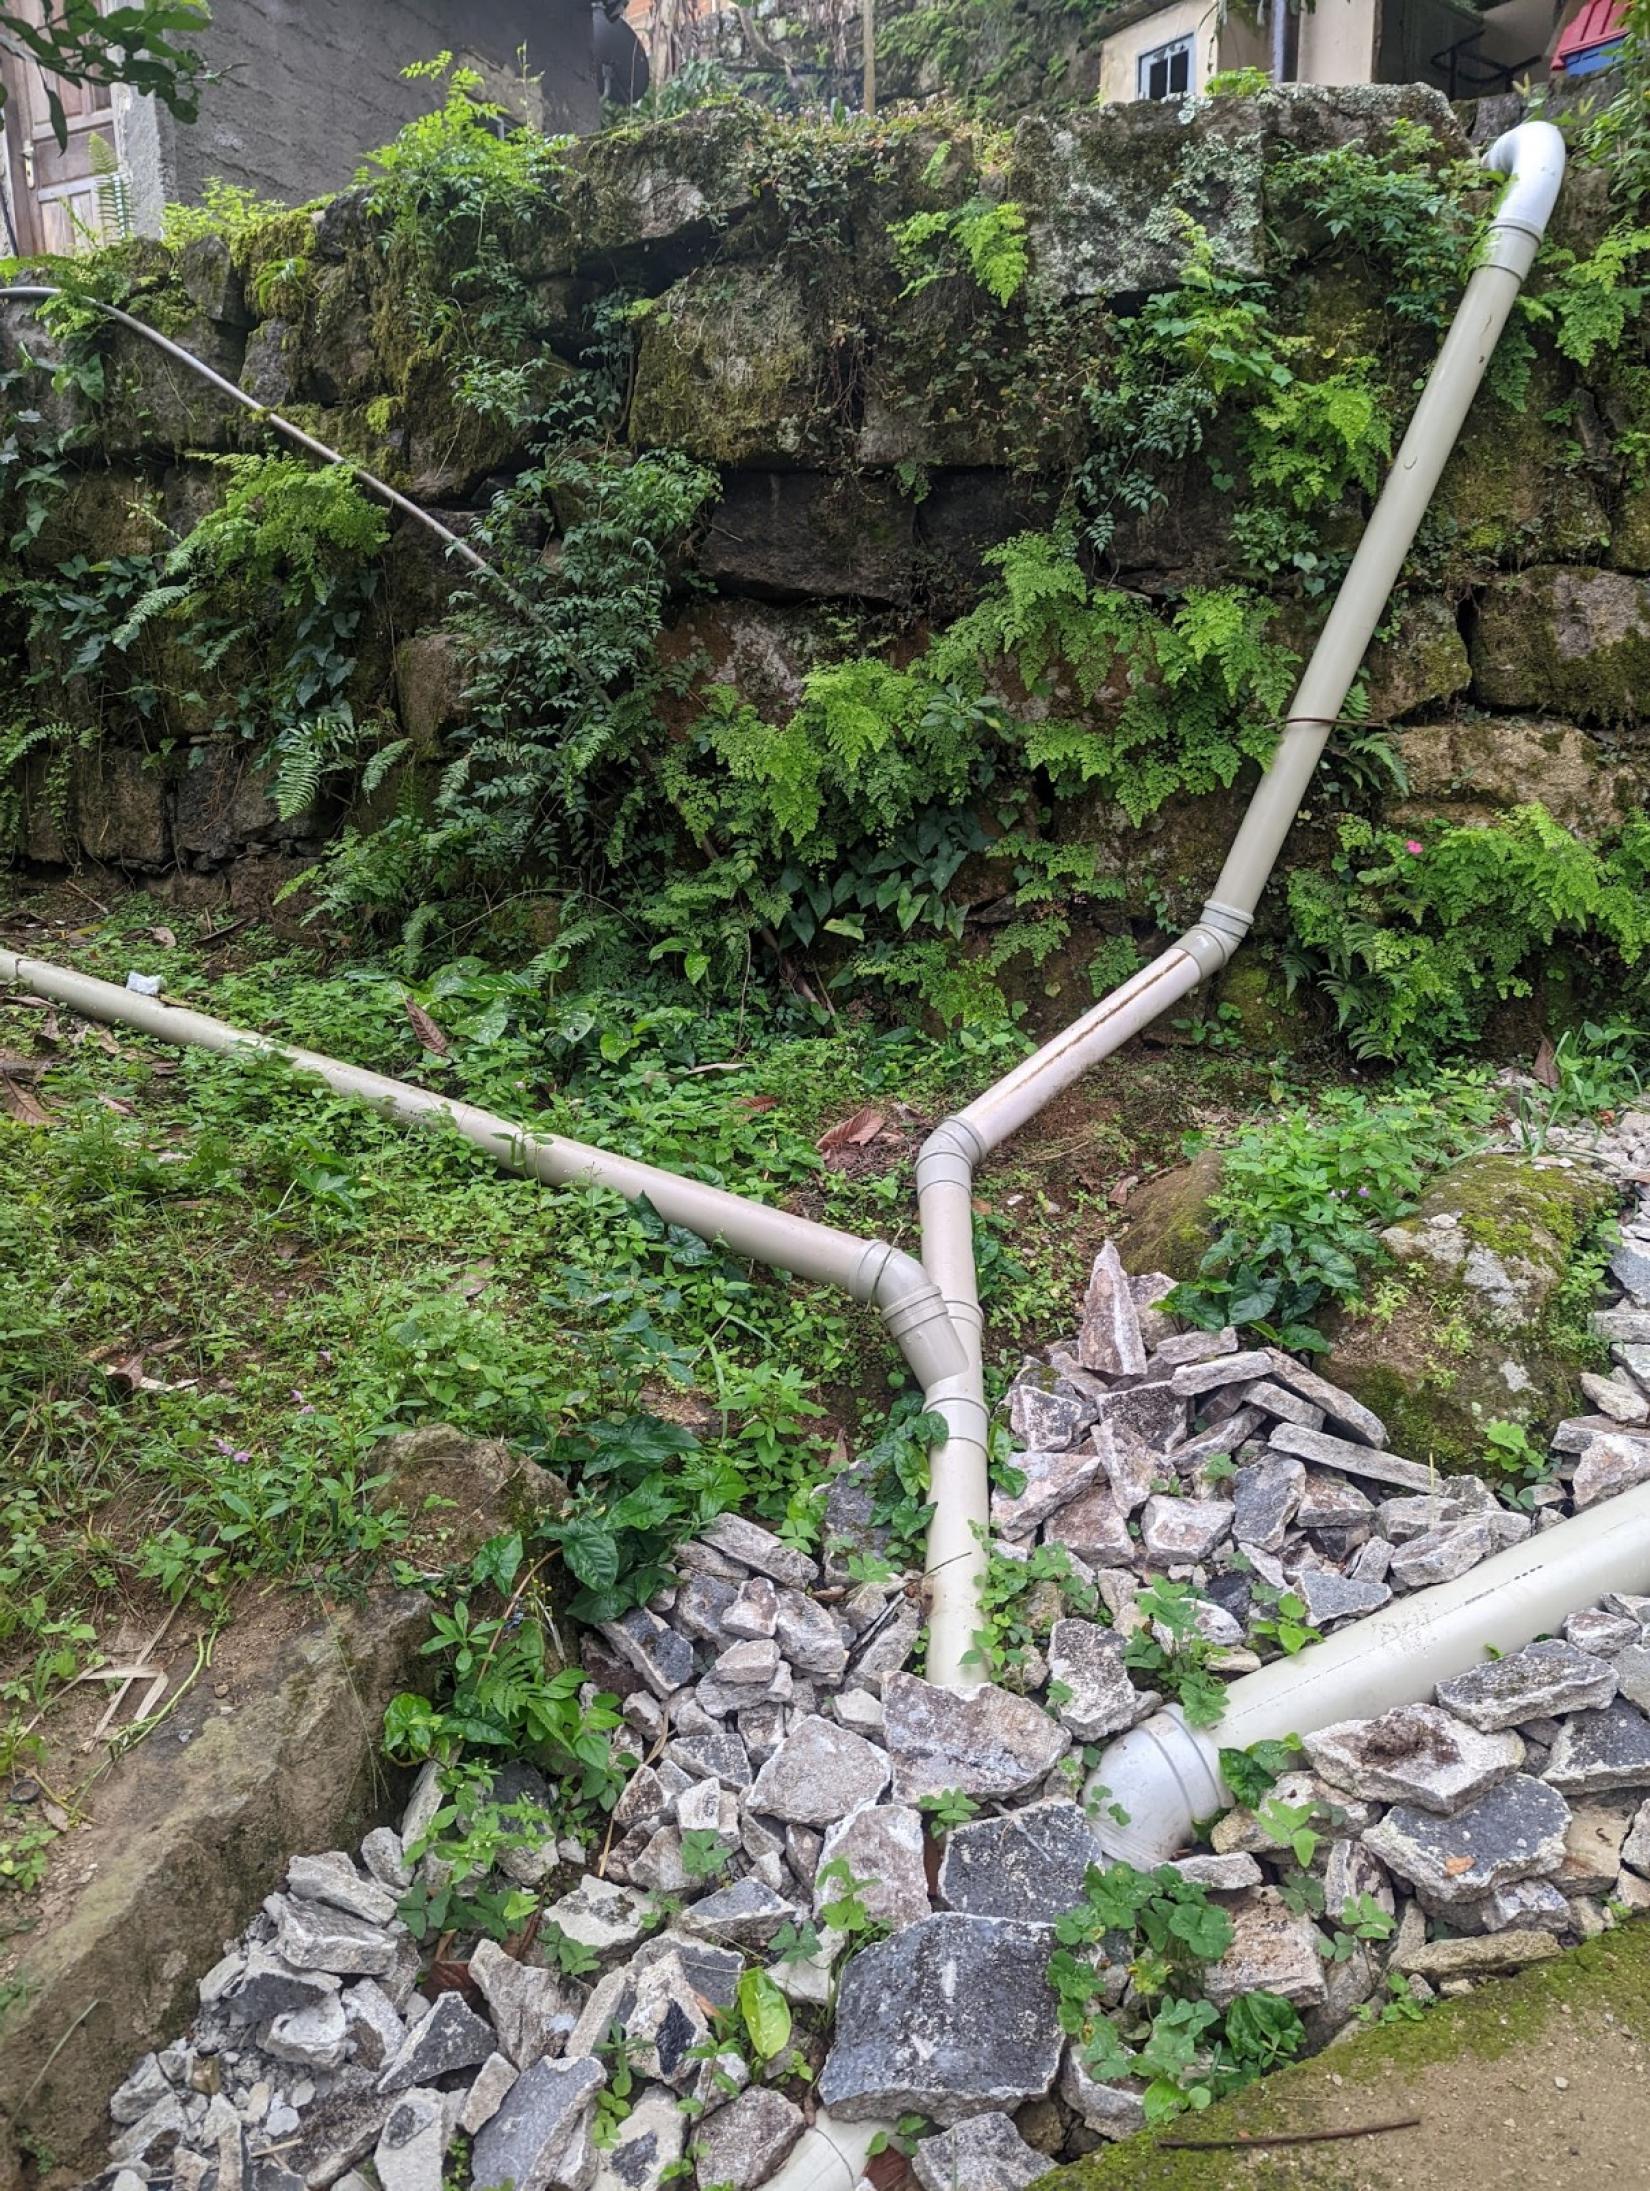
(1418, 939)
(1304, 1197)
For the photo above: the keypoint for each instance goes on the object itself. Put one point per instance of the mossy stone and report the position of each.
(730, 368)
(1470, 1328)
(1168, 1226)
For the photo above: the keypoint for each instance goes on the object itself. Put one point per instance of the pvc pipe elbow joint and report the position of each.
(1162, 1776)
(1533, 155)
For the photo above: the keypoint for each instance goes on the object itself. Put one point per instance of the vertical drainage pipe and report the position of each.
(1532, 155)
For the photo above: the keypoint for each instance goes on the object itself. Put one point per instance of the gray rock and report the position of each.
(1528, 1904)
(1515, 1832)
(1442, 1554)
(1624, 1324)
(1498, 1951)
(1608, 1465)
(1602, 1632)
(533, 2010)
(493, 2083)
(1630, 1267)
(652, 1649)
(132, 2100)
(1129, 1465)
(1193, 1346)
(1028, 1865)
(809, 1637)
(881, 1843)
(1544, 1678)
(1109, 1337)
(1111, 2110)
(1372, 1562)
(375, 2029)
(1329, 1596)
(1273, 1951)
(750, 1665)
(540, 2135)
(1052, 1480)
(648, 2146)
(951, 2017)
(412, 2146)
(985, 2153)
(819, 1772)
(1599, 1750)
(1415, 1754)
(985, 1743)
(1047, 1412)
(753, 1611)
(1226, 1436)
(1417, 1514)
(1350, 1870)
(1621, 1401)
(333, 1879)
(1152, 1412)
(886, 1646)
(713, 1972)
(310, 1936)
(316, 2037)
(340, 2129)
(1271, 1398)
(644, 1800)
(1354, 1419)
(451, 2037)
(158, 2127)
(1264, 1498)
(1368, 1463)
(661, 2008)
(1087, 1660)
(743, 2143)
(1182, 1531)
(1326, 1503)
(1632, 1671)
(1193, 1378)
(703, 1603)
(758, 1548)
(1094, 1526)
(269, 1986)
(746, 1914)
(1228, 1874)
(602, 1915)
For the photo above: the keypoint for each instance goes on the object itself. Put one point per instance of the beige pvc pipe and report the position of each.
(869, 1270)
(38, 292)
(1165, 1775)
(958, 1542)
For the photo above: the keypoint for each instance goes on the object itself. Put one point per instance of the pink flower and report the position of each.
(1413, 844)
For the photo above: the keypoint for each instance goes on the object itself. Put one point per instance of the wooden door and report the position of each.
(57, 204)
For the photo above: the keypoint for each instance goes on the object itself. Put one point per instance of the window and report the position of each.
(1166, 72)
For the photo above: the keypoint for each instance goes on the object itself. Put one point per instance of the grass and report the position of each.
(221, 1287)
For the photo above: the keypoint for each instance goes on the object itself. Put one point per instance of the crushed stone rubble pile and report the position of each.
(768, 1700)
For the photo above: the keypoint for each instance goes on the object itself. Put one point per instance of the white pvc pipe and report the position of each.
(1165, 1775)
(830, 2155)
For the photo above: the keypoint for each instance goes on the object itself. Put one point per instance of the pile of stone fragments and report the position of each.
(770, 1700)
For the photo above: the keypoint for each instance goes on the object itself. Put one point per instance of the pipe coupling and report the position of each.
(1214, 940)
(950, 1156)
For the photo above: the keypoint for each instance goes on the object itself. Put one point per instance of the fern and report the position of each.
(986, 235)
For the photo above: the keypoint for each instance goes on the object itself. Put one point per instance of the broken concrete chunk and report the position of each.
(602, 1915)
(1540, 1681)
(1415, 1754)
(1028, 1864)
(1086, 1661)
(1273, 1950)
(881, 1843)
(743, 2143)
(986, 1742)
(487, 2095)
(1182, 1531)
(312, 1936)
(451, 2037)
(647, 2147)
(316, 2037)
(333, 1879)
(1600, 1750)
(1111, 2110)
(758, 1548)
(746, 1914)
(1109, 1338)
(540, 2135)
(985, 2153)
(949, 2018)
(412, 2147)
(819, 1772)
(1515, 1832)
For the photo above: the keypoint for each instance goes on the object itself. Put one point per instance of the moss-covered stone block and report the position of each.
(1474, 768)
(643, 203)
(790, 536)
(732, 367)
(1472, 1327)
(1509, 491)
(1423, 662)
(1574, 641)
(1168, 1222)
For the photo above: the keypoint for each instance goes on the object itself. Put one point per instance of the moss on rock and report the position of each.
(1168, 1225)
(1472, 1328)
